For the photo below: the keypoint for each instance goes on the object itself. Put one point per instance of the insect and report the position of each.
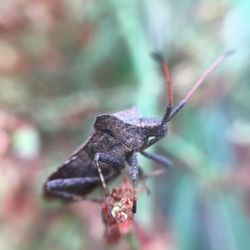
(115, 142)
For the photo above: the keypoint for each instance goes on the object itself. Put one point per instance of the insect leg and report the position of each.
(132, 161)
(163, 160)
(106, 190)
(111, 160)
(64, 188)
(134, 172)
(144, 176)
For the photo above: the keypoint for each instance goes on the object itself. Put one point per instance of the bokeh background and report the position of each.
(63, 62)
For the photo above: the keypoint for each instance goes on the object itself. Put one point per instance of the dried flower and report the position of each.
(117, 211)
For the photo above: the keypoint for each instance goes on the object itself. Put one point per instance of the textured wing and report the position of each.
(78, 167)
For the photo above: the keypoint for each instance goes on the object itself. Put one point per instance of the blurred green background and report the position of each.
(63, 62)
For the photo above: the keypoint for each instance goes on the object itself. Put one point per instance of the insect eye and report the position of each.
(151, 138)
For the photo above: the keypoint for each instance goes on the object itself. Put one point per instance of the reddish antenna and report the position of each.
(170, 112)
(164, 67)
(203, 77)
(167, 76)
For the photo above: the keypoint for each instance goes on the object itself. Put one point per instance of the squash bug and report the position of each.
(115, 142)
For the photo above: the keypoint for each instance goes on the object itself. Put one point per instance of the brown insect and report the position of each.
(115, 142)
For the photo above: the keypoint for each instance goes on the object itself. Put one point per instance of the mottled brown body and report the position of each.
(118, 135)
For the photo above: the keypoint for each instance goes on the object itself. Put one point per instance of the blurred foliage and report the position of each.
(63, 62)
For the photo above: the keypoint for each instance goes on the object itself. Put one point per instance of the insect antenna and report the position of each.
(165, 71)
(170, 111)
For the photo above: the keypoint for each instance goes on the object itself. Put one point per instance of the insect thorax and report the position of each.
(127, 131)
